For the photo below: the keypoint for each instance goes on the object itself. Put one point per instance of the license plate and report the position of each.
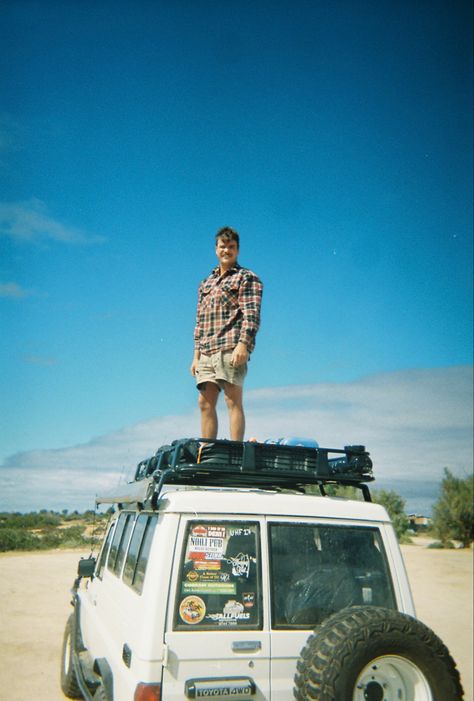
(222, 688)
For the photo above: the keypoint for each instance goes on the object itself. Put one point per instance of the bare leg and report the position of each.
(234, 401)
(208, 397)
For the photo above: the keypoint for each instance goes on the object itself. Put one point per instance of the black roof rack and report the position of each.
(226, 463)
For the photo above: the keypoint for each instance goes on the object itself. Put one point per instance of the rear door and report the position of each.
(316, 569)
(217, 640)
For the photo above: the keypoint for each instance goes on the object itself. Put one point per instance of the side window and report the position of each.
(317, 570)
(138, 552)
(219, 578)
(120, 542)
(105, 550)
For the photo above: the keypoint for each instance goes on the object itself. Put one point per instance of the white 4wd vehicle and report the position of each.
(219, 577)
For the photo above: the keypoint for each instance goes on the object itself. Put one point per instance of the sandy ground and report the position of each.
(34, 605)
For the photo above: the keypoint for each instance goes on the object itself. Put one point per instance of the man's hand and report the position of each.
(194, 364)
(239, 355)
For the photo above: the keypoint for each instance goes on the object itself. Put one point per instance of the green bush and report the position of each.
(31, 520)
(395, 506)
(17, 539)
(453, 513)
(73, 537)
(50, 539)
(46, 529)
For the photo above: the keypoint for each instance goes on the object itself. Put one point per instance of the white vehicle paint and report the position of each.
(211, 592)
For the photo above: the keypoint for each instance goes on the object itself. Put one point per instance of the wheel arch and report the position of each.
(103, 669)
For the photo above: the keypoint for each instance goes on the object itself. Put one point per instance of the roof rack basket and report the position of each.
(227, 463)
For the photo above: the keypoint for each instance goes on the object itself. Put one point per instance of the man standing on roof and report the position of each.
(227, 321)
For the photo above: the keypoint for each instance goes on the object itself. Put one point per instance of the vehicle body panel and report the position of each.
(114, 617)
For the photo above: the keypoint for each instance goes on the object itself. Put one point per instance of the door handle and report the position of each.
(246, 646)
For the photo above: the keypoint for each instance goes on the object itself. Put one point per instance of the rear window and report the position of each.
(219, 581)
(317, 570)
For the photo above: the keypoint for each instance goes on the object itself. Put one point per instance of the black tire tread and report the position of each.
(69, 684)
(329, 650)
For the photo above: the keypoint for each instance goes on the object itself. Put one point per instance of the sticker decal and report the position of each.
(216, 532)
(209, 587)
(233, 608)
(240, 531)
(240, 565)
(248, 599)
(211, 548)
(208, 582)
(192, 610)
(207, 564)
(199, 530)
(211, 531)
(233, 611)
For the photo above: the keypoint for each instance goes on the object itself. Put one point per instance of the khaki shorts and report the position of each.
(217, 368)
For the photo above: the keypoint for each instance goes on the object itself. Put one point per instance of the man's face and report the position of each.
(227, 252)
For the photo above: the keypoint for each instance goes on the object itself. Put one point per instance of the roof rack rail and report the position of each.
(225, 463)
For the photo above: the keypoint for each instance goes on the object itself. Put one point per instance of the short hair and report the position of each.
(227, 233)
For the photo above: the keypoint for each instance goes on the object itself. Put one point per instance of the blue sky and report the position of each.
(336, 137)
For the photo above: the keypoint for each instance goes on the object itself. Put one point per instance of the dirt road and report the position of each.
(34, 605)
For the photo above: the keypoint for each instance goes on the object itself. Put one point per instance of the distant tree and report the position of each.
(453, 513)
(395, 506)
(344, 491)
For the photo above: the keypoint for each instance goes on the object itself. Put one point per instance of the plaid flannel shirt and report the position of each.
(228, 310)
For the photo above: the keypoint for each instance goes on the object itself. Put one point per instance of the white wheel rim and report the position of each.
(391, 678)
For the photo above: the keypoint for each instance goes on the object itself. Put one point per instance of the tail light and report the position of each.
(147, 692)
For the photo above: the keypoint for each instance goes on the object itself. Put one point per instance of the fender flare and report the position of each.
(102, 667)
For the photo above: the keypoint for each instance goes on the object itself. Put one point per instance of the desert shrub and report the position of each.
(17, 539)
(342, 490)
(453, 513)
(45, 529)
(50, 539)
(34, 519)
(395, 506)
(73, 537)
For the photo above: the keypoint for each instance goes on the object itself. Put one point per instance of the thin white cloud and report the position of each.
(414, 423)
(29, 221)
(13, 290)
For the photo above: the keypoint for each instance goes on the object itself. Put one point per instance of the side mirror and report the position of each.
(86, 566)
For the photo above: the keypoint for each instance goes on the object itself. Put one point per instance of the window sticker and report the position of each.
(240, 564)
(208, 582)
(248, 599)
(207, 565)
(232, 612)
(219, 580)
(192, 610)
(239, 531)
(207, 543)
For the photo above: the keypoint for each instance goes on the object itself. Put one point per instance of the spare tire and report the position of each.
(368, 653)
